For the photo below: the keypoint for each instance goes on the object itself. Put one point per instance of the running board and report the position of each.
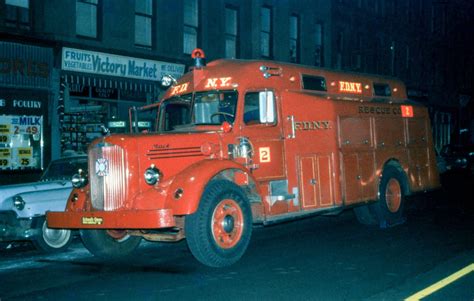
(270, 220)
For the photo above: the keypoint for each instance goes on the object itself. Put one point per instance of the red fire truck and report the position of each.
(237, 143)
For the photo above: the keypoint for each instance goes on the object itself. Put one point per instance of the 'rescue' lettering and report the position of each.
(380, 110)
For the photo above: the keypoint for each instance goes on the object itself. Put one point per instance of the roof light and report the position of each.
(199, 58)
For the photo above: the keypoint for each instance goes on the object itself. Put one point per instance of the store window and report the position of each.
(17, 14)
(318, 49)
(191, 26)
(231, 32)
(294, 39)
(143, 23)
(266, 32)
(86, 18)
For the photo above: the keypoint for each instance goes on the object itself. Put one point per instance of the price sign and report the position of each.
(4, 139)
(4, 129)
(21, 142)
(5, 158)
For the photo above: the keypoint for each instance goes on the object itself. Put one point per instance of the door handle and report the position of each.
(292, 135)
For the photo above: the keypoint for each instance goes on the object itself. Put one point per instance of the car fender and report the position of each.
(37, 203)
(193, 180)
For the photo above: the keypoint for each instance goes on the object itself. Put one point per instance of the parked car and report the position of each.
(23, 206)
(458, 157)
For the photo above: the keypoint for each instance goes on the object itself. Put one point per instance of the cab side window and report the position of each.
(251, 108)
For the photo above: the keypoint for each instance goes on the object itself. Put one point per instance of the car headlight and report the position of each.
(461, 161)
(152, 175)
(79, 180)
(18, 202)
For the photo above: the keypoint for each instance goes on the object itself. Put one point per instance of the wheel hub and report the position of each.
(393, 195)
(228, 223)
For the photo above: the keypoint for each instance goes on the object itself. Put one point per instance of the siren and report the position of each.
(199, 58)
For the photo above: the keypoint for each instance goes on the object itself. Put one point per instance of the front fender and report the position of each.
(193, 180)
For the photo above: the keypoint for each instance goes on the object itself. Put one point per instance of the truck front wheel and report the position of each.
(218, 233)
(109, 244)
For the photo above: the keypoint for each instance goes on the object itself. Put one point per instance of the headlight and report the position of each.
(461, 161)
(152, 175)
(79, 180)
(18, 202)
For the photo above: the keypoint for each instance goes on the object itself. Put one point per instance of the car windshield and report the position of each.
(205, 108)
(64, 169)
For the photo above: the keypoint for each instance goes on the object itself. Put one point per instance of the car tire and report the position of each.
(109, 244)
(219, 232)
(52, 240)
(389, 210)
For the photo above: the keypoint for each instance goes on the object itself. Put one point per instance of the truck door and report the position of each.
(266, 138)
(310, 146)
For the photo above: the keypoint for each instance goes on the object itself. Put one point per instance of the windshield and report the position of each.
(64, 169)
(206, 108)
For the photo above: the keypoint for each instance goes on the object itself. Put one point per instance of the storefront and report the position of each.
(97, 89)
(25, 127)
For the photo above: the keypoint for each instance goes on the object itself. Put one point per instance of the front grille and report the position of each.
(108, 177)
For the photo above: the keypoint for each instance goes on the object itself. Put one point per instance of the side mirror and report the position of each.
(266, 101)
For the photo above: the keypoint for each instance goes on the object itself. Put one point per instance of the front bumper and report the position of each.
(119, 219)
(13, 228)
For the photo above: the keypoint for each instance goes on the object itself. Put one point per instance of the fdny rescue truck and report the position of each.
(237, 143)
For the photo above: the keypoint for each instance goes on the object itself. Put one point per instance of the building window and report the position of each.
(340, 50)
(266, 33)
(231, 32)
(438, 18)
(294, 39)
(318, 51)
(407, 57)
(191, 26)
(143, 23)
(17, 14)
(86, 18)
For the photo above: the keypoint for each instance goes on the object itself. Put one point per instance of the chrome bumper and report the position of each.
(14, 228)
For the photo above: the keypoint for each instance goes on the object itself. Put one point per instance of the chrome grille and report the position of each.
(108, 177)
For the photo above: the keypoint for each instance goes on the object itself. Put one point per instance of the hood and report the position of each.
(38, 202)
(7, 191)
(121, 161)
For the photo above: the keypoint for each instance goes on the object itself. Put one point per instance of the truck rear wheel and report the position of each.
(390, 208)
(109, 244)
(218, 233)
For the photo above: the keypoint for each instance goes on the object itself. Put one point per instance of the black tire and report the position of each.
(364, 216)
(52, 240)
(103, 245)
(219, 232)
(390, 208)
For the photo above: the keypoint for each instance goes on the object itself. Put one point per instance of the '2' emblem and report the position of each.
(264, 153)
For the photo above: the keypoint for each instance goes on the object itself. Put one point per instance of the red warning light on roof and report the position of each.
(407, 111)
(198, 53)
